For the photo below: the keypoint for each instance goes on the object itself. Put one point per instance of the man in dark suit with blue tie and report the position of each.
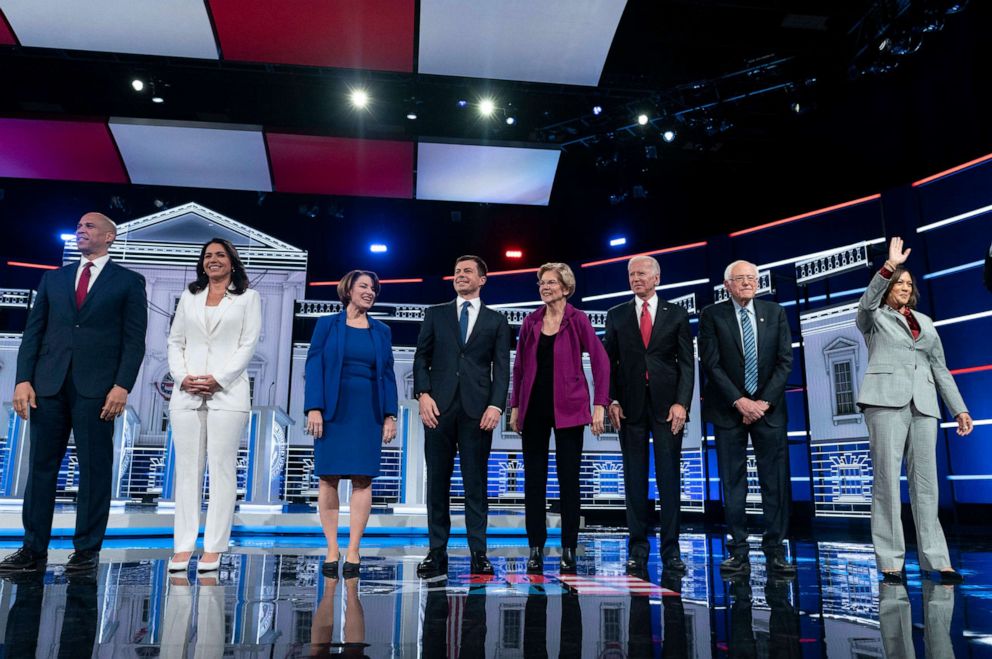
(745, 347)
(79, 357)
(461, 377)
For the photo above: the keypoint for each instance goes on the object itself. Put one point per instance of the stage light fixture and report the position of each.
(597, 110)
(514, 254)
(359, 98)
(618, 242)
(486, 107)
(412, 116)
(67, 236)
(796, 107)
(669, 136)
(137, 84)
(642, 119)
(378, 248)
(158, 99)
(511, 120)
(462, 103)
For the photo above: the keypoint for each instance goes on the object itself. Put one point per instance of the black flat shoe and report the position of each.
(950, 576)
(567, 563)
(434, 565)
(636, 566)
(481, 564)
(24, 559)
(83, 561)
(351, 570)
(535, 564)
(778, 565)
(673, 564)
(330, 568)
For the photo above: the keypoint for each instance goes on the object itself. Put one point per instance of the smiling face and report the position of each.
(467, 280)
(643, 277)
(362, 293)
(94, 234)
(742, 283)
(217, 262)
(551, 287)
(900, 291)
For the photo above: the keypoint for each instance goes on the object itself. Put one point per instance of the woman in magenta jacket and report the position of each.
(550, 392)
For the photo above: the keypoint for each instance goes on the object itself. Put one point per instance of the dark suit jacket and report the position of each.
(668, 359)
(722, 355)
(104, 341)
(479, 371)
(326, 356)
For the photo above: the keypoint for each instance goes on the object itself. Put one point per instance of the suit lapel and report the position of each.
(760, 320)
(660, 315)
(633, 323)
(730, 317)
(483, 312)
(452, 319)
(225, 303)
(109, 271)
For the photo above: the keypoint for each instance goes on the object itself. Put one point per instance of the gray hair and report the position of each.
(645, 257)
(730, 268)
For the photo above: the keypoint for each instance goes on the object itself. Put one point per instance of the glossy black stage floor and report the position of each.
(269, 599)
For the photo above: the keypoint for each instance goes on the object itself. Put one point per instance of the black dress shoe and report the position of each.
(673, 564)
(736, 564)
(567, 563)
(83, 560)
(435, 564)
(330, 568)
(780, 566)
(637, 566)
(24, 559)
(481, 564)
(893, 577)
(535, 564)
(350, 570)
(950, 576)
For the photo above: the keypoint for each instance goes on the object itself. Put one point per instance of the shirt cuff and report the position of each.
(885, 272)
(493, 407)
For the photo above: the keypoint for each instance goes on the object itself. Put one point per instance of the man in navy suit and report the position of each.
(745, 346)
(79, 358)
(461, 376)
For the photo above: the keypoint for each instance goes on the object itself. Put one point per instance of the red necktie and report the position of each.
(84, 284)
(645, 330)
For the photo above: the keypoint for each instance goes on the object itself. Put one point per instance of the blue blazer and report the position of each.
(104, 341)
(326, 357)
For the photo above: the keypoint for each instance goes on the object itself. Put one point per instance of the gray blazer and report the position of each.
(900, 369)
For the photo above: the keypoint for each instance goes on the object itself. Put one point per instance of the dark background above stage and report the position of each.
(737, 165)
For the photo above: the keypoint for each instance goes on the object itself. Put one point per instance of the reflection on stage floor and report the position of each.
(270, 599)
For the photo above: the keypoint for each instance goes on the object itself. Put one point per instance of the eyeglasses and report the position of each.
(548, 282)
(740, 279)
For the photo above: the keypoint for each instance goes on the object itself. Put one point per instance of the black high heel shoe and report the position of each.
(535, 564)
(330, 568)
(567, 563)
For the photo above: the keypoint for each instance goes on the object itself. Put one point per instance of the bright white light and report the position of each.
(378, 248)
(359, 98)
(67, 236)
(642, 119)
(617, 242)
(137, 85)
(514, 254)
(510, 121)
(487, 107)
(411, 116)
(668, 136)
(597, 110)
(158, 99)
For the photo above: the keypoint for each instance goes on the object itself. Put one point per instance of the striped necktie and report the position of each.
(750, 354)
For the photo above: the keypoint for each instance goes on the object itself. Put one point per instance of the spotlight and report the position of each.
(796, 107)
(359, 98)
(510, 121)
(412, 116)
(669, 136)
(487, 107)
(597, 110)
(514, 254)
(64, 237)
(642, 119)
(137, 85)
(158, 99)
(378, 248)
(462, 103)
(618, 242)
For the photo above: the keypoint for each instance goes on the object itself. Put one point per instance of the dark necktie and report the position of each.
(463, 320)
(84, 284)
(750, 354)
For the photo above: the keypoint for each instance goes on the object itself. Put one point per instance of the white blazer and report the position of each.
(222, 350)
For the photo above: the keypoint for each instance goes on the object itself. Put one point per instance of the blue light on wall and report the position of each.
(378, 248)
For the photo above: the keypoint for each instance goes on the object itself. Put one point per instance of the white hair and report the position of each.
(644, 257)
(730, 268)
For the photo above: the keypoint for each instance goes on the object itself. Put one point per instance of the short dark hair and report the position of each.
(483, 269)
(914, 297)
(239, 278)
(348, 281)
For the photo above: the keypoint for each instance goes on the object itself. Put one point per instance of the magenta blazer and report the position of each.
(575, 336)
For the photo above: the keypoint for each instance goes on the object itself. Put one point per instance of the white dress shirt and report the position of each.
(652, 308)
(473, 312)
(750, 314)
(98, 264)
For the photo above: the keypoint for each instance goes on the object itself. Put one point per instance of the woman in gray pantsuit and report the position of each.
(899, 399)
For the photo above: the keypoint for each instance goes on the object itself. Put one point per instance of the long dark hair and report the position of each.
(239, 278)
(914, 297)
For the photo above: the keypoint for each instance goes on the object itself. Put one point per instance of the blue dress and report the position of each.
(352, 440)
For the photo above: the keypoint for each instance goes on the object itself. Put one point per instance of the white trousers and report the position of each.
(199, 436)
(209, 631)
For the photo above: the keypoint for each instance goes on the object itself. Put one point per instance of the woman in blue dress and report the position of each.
(350, 400)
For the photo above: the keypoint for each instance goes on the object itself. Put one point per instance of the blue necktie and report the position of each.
(750, 354)
(463, 320)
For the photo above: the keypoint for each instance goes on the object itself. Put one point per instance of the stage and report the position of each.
(269, 599)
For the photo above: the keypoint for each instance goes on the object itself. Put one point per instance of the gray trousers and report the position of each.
(895, 432)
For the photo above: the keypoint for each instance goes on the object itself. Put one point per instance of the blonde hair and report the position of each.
(564, 273)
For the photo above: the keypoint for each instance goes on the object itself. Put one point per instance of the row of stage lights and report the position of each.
(486, 107)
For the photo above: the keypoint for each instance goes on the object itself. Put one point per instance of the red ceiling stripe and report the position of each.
(666, 250)
(971, 369)
(953, 170)
(411, 280)
(352, 34)
(59, 150)
(7, 37)
(803, 216)
(39, 266)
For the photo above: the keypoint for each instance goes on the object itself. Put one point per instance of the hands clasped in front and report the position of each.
(751, 410)
(200, 385)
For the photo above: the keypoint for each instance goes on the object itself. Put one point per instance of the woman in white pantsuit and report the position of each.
(905, 371)
(213, 337)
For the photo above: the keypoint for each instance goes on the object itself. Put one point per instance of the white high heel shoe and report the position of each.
(178, 566)
(213, 566)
